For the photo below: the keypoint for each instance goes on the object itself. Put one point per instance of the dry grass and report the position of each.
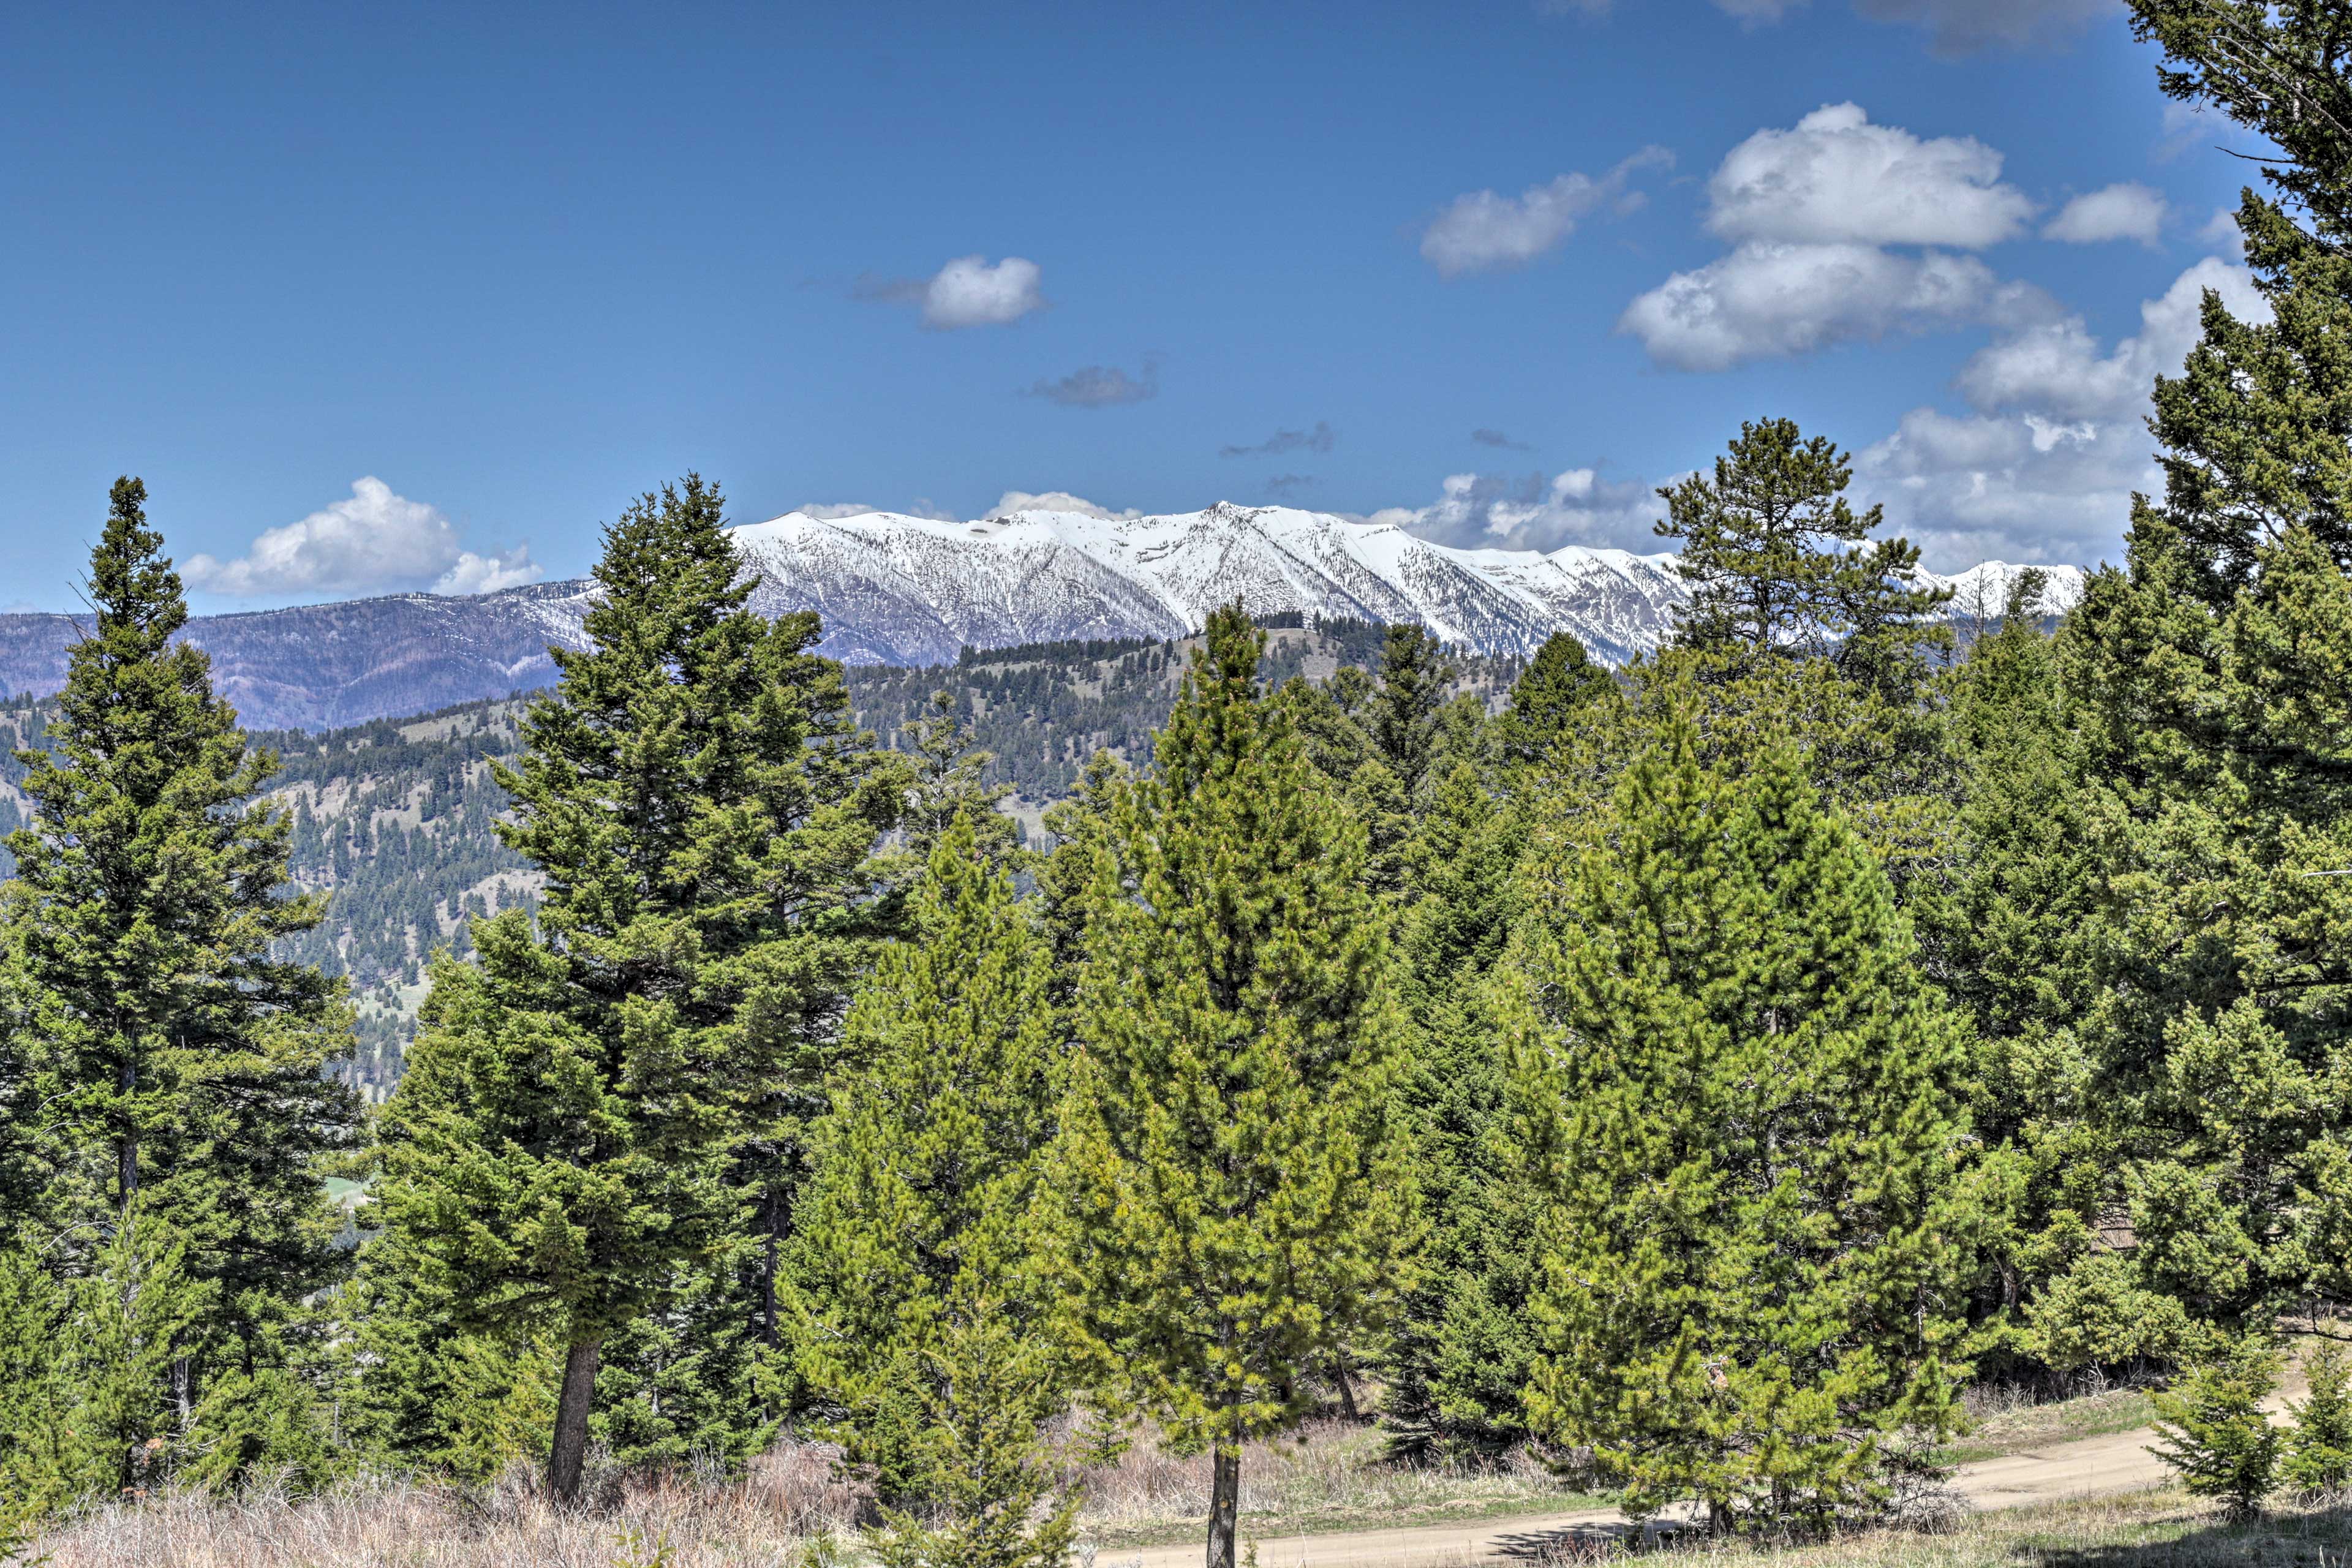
(769, 1516)
(1332, 1476)
(2007, 1422)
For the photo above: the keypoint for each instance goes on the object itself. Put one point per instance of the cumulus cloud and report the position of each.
(374, 541)
(1811, 212)
(1764, 300)
(1965, 26)
(1319, 439)
(2043, 465)
(969, 291)
(1056, 500)
(1485, 229)
(2127, 211)
(1532, 512)
(1099, 387)
(1836, 178)
(2220, 234)
(829, 511)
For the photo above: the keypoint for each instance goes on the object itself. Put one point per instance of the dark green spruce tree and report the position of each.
(917, 1259)
(183, 1070)
(1234, 1166)
(1740, 1100)
(589, 1110)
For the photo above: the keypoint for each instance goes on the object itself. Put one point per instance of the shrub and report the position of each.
(2215, 1432)
(2319, 1449)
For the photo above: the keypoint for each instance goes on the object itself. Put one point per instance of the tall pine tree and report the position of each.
(918, 1262)
(1234, 1165)
(588, 1111)
(183, 1067)
(1740, 1101)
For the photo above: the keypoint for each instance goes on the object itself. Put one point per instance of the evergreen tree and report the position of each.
(1415, 674)
(1460, 1354)
(182, 1066)
(1772, 552)
(2214, 1430)
(1234, 1166)
(1738, 1101)
(918, 1256)
(587, 1112)
(2319, 1448)
(1559, 685)
(949, 781)
(2209, 684)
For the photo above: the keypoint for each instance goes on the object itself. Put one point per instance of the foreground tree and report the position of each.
(1737, 1100)
(917, 1258)
(1233, 1164)
(183, 1069)
(558, 1154)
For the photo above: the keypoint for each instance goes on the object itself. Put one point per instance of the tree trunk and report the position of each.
(127, 1151)
(1224, 1505)
(1347, 1389)
(569, 1453)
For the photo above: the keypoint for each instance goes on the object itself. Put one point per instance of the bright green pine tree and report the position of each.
(2214, 1431)
(2319, 1448)
(1738, 1098)
(183, 1068)
(918, 1254)
(587, 1113)
(1235, 1165)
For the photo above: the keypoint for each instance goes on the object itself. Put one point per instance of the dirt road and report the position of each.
(2118, 1462)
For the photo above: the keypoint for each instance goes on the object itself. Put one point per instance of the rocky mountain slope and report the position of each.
(908, 590)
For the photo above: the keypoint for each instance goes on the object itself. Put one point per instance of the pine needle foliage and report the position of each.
(2214, 1431)
(183, 1068)
(919, 1248)
(1233, 1163)
(1738, 1099)
(587, 1111)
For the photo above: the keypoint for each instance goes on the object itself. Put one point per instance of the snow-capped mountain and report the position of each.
(907, 590)
(895, 589)
(913, 591)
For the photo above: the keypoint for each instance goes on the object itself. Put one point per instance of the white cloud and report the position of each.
(1483, 229)
(1763, 301)
(375, 542)
(2127, 211)
(1965, 26)
(828, 510)
(1531, 512)
(1055, 500)
(2220, 234)
(1812, 212)
(1836, 178)
(971, 292)
(2043, 466)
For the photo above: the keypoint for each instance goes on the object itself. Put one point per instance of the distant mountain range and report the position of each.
(897, 590)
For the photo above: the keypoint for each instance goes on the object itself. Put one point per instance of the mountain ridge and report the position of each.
(897, 590)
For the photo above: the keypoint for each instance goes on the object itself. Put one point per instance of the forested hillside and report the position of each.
(392, 818)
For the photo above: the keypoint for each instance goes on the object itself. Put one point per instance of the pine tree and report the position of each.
(182, 1065)
(2214, 1431)
(949, 780)
(1761, 552)
(1738, 1101)
(2319, 1448)
(1548, 701)
(2209, 682)
(919, 1252)
(1461, 1353)
(588, 1111)
(1233, 1164)
(1414, 673)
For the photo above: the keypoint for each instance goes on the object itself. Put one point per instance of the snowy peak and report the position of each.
(907, 590)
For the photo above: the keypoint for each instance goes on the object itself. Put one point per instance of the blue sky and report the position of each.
(510, 268)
